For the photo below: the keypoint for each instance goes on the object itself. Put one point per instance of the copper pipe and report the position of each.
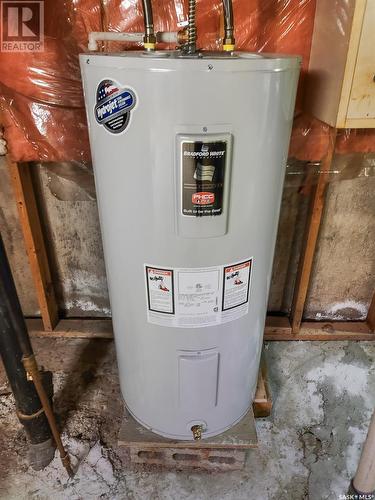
(182, 36)
(31, 368)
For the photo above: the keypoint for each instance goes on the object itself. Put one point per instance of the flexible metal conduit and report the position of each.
(149, 39)
(192, 28)
(229, 41)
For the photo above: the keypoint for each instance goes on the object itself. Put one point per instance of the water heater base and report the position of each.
(226, 451)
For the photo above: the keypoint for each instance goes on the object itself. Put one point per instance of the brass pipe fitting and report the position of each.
(228, 44)
(149, 41)
(197, 432)
(182, 37)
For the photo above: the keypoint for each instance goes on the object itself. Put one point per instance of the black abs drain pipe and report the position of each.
(28, 387)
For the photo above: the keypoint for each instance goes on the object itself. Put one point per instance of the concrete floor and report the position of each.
(323, 394)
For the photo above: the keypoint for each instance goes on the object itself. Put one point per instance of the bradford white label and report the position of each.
(203, 174)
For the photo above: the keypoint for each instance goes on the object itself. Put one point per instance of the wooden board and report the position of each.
(277, 324)
(351, 60)
(262, 404)
(328, 59)
(371, 315)
(340, 90)
(277, 328)
(34, 242)
(311, 236)
(73, 328)
(362, 95)
(11, 233)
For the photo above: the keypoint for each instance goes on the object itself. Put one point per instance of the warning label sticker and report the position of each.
(236, 285)
(160, 290)
(198, 297)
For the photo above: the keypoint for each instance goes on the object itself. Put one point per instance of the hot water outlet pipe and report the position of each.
(229, 41)
(185, 38)
(149, 39)
(31, 387)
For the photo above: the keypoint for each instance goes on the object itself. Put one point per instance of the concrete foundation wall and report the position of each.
(68, 209)
(343, 278)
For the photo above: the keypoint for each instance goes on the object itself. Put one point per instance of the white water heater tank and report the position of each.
(189, 157)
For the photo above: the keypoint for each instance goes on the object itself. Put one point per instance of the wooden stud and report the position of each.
(371, 315)
(280, 329)
(34, 242)
(277, 328)
(262, 404)
(73, 328)
(276, 325)
(311, 236)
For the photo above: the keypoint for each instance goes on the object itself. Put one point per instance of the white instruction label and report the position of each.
(160, 290)
(198, 297)
(236, 285)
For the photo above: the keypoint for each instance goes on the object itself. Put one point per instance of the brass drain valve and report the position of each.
(197, 432)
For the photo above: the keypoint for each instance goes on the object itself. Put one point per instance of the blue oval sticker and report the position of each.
(113, 106)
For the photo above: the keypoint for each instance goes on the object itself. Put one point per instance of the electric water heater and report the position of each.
(189, 155)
